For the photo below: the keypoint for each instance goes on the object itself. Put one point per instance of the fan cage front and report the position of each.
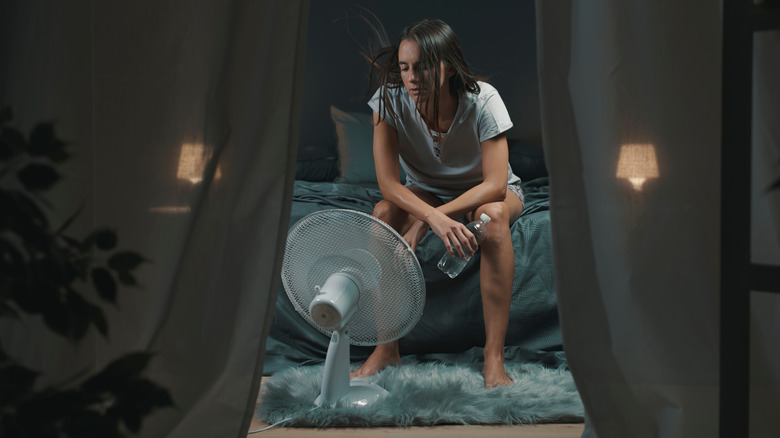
(330, 241)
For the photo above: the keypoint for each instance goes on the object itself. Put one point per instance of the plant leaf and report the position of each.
(48, 270)
(125, 261)
(36, 298)
(88, 423)
(51, 405)
(56, 318)
(131, 416)
(69, 220)
(79, 313)
(57, 153)
(99, 320)
(36, 176)
(117, 375)
(127, 279)
(73, 243)
(106, 239)
(11, 143)
(139, 400)
(11, 259)
(16, 381)
(21, 214)
(41, 139)
(104, 284)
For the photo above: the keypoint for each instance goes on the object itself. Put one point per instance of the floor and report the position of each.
(522, 431)
(449, 431)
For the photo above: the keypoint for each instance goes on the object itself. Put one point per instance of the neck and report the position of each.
(448, 106)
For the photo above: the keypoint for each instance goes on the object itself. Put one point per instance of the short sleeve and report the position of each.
(374, 103)
(492, 117)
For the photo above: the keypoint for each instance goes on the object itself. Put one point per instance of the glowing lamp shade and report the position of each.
(192, 162)
(637, 163)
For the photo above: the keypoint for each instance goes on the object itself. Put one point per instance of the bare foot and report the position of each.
(495, 373)
(384, 355)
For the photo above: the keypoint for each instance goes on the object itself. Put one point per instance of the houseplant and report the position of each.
(48, 274)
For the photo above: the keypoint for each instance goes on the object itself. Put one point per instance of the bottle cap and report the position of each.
(484, 218)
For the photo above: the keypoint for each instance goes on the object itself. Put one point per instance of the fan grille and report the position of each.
(330, 241)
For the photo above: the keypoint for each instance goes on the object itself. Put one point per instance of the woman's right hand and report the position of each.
(458, 239)
(415, 233)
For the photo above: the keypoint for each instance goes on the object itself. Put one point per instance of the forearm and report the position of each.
(400, 196)
(473, 198)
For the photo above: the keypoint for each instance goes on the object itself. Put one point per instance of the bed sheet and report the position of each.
(452, 326)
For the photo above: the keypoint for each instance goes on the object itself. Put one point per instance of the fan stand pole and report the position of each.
(337, 390)
(335, 378)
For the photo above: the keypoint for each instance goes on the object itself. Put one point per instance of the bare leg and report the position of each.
(388, 354)
(496, 276)
(384, 355)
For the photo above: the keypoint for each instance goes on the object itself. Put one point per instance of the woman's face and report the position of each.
(414, 77)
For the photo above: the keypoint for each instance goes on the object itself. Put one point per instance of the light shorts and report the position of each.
(515, 188)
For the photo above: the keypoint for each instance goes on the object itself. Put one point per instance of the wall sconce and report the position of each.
(171, 209)
(637, 163)
(192, 162)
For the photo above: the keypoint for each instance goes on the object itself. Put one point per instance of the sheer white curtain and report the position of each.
(638, 263)
(139, 90)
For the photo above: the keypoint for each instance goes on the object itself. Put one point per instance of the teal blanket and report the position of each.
(452, 326)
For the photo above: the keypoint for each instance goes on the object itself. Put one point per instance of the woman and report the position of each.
(448, 128)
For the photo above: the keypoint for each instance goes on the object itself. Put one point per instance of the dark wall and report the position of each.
(498, 39)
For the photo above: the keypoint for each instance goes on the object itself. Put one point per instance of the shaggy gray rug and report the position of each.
(430, 393)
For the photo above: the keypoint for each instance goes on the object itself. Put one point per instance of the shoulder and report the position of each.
(393, 95)
(490, 113)
(487, 99)
(387, 100)
(486, 92)
(478, 101)
(392, 91)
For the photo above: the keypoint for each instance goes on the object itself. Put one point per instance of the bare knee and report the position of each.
(498, 228)
(390, 214)
(384, 210)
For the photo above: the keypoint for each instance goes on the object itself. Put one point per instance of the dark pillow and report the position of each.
(355, 138)
(355, 145)
(526, 159)
(317, 163)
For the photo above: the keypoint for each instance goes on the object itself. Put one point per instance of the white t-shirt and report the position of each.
(452, 165)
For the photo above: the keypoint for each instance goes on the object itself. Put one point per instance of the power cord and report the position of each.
(278, 423)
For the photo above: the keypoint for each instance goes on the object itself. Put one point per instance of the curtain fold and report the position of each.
(630, 95)
(182, 118)
(765, 238)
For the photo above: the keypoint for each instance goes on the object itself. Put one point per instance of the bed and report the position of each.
(451, 328)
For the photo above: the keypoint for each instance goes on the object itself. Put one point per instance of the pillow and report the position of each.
(322, 170)
(317, 163)
(355, 139)
(526, 159)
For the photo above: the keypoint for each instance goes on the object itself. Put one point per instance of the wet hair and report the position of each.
(437, 42)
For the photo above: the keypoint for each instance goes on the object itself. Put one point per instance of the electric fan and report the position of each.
(356, 280)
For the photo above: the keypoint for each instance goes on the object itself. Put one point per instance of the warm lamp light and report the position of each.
(171, 209)
(637, 163)
(192, 162)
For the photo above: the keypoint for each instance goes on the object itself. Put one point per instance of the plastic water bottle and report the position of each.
(453, 265)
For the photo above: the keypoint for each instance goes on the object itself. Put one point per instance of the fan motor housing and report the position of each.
(336, 301)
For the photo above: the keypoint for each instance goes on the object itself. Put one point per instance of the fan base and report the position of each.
(359, 394)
